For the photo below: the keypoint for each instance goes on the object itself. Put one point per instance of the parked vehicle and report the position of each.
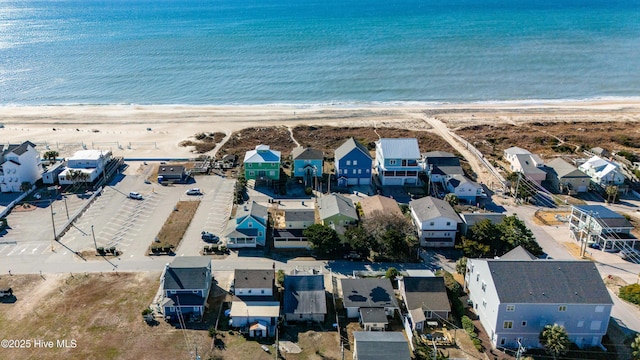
(209, 237)
(194, 191)
(135, 195)
(353, 255)
(6, 292)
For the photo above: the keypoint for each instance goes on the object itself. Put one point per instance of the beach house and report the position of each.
(352, 164)
(249, 228)
(304, 298)
(337, 211)
(397, 161)
(465, 189)
(19, 163)
(288, 228)
(262, 163)
(441, 165)
(436, 222)
(524, 162)
(186, 283)
(425, 299)
(91, 163)
(255, 309)
(307, 165)
(603, 172)
(516, 299)
(566, 178)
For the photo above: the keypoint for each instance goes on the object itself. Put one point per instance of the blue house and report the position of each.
(186, 283)
(397, 161)
(250, 227)
(353, 164)
(307, 164)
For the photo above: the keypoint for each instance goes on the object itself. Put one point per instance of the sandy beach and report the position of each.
(156, 131)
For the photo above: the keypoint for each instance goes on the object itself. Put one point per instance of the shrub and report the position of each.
(477, 343)
(212, 331)
(392, 273)
(147, 311)
(100, 250)
(631, 293)
(280, 277)
(467, 324)
(308, 190)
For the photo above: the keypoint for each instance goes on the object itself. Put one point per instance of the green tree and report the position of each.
(452, 199)
(358, 239)
(461, 265)
(280, 277)
(323, 239)
(635, 348)
(612, 193)
(481, 239)
(51, 155)
(555, 340)
(393, 236)
(25, 186)
(630, 293)
(515, 233)
(392, 273)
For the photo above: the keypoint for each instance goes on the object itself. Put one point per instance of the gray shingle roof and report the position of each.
(563, 169)
(381, 345)
(430, 208)
(428, 293)
(604, 216)
(518, 253)
(187, 272)
(335, 204)
(304, 294)
(402, 148)
(548, 282)
(368, 293)
(373, 315)
(254, 279)
(299, 215)
(306, 153)
(349, 145)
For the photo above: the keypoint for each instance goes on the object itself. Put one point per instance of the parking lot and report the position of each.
(131, 225)
(23, 238)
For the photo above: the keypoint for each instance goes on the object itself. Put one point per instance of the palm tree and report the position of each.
(25, 186)
(612, 193)
(83, 177)
(555, 340)
(51, 155)
(635, 347)
(451, 198)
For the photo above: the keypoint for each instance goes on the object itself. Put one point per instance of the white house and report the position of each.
(288, 228)
(252, 283)
(603, 172)
(515, 299)
(90, 162)
(397, 161)
(19, 163)
(526, 163)
(466, 190)
(254, 308)
(436, 222)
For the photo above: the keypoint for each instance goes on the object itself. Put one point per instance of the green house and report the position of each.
(262, 164)
(337, 211)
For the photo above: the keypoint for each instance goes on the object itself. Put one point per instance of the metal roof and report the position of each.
(604, 216)
(373, 315)
(402, 148)
(563, 169)
(262, 154)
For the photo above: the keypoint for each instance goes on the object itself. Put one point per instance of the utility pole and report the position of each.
(429, 180)
(583, 244)
(94, 238)
(515, 194)
(521, 350)
(53, 224)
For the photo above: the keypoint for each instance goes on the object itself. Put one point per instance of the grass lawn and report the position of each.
(176, 224)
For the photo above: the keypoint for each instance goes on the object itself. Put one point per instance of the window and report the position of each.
(503, 341)
(524, 324)
(428, 314)
(484, 303)
(252, 173)
(355, 162)
(250, 225)
(562, 308)
(484, 286)
(249, 291)
(600, 308)
(511, 307)
(580, 323)
(448, 223)
(345, 171)
(367, 171)
(392, 162)
(359, 171)
(348, 162)
(431, 223)
(595, 325)
(508, 325)
(262, 291)
(259, 233)
(354, 171)
(477, 277)
(272, 173)
(249, 165)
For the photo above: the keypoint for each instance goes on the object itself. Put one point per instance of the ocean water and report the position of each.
(316, 51)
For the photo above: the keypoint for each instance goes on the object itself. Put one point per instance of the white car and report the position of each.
(135, 195)
(194, 191)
